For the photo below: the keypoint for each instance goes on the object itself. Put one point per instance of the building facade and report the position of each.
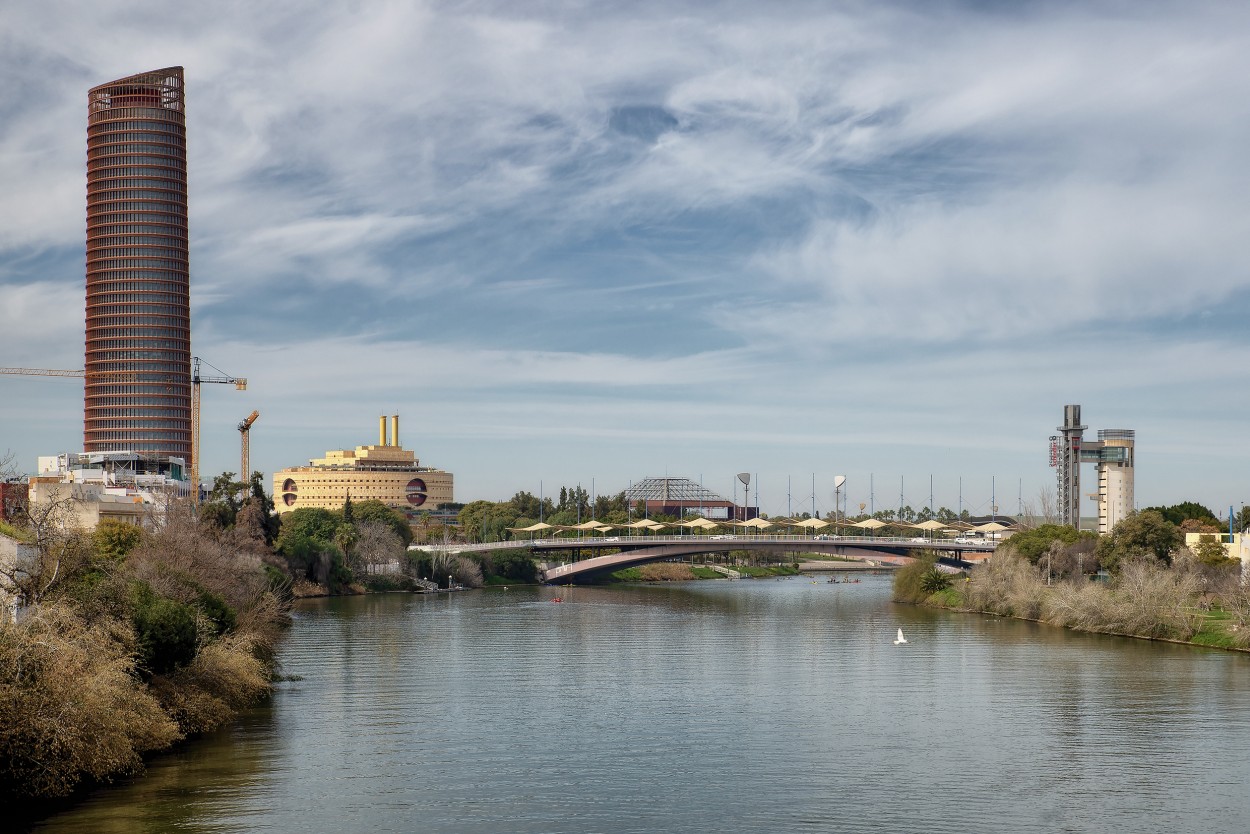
(1112, 456)
(386, 472)
(138, 317)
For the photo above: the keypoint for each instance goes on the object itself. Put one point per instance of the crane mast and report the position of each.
(239, 383)
(244, 444)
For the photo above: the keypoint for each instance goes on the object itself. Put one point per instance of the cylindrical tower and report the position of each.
(138, 273)
(1115, 477)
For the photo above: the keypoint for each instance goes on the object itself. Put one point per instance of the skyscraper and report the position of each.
(138, 288)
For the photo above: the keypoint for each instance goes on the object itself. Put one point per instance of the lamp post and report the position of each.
(745, 477)
(838, 481)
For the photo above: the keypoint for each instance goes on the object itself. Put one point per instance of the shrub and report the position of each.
(665, 572)
(225, 677)
(113, 540)
(1005, 584)
(909, 580)
(218, 612)
(70, 706)
(517, 566)
(935, 580)
(166, 633)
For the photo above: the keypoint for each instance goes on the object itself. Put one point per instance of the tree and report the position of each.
(1210, 551)
(312, 522)
(1199, 525)
(528, 505)
(61, 549)
(1143, 535)
(345, 537)
(1178, 513)
(224, 500)
(487, 521)
(513, 565)
(377, 547)
(113, 540)
(251, 530)
(1035, 543)
(374, 510)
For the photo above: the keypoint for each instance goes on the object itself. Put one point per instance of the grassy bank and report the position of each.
(1144, 599)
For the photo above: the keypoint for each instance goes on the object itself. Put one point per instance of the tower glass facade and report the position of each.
(138, 345)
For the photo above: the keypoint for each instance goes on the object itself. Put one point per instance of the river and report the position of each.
(714, 706)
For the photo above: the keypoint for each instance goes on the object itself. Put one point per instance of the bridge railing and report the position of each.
(612, 541)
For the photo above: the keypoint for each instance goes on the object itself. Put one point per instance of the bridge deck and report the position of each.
(616, 552)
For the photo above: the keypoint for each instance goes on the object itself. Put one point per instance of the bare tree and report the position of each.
(377, 549)
(59, 547)
(8, 466)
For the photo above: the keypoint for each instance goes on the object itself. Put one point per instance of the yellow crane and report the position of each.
(244, 430)
(239, 383)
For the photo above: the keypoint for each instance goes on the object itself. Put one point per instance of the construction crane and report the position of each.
(244, 430)
(125, 376)
(239, 384)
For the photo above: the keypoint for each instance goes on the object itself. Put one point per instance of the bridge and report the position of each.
(627, 551)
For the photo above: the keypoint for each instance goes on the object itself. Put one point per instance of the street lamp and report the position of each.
(838, 481)
(745, 477)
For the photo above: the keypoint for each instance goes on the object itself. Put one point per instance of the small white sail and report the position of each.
(901, 639)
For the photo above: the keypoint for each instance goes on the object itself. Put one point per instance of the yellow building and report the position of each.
(1236, 546)
(385, 472)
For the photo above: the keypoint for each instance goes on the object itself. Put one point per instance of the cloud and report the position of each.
(775, 228)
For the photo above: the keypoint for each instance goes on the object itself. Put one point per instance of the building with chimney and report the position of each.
(386, 472)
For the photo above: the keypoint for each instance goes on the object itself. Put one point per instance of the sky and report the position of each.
(593, 242)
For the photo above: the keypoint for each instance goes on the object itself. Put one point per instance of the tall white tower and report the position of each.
(1115, 477)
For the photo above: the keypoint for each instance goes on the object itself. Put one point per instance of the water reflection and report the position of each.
(712, 706)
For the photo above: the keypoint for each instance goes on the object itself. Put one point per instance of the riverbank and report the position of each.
(141, 640)
(1146, 601)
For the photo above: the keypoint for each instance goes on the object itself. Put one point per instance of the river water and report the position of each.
(750, 706)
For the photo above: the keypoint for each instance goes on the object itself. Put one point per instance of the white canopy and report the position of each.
(870, 524)
(596, 526)
(644, 524)
(812, 523)
(533, 528)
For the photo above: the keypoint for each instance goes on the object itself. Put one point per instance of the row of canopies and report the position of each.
(647, 525)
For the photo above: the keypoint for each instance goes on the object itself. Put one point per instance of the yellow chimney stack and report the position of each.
(395, 429)
(382, 430)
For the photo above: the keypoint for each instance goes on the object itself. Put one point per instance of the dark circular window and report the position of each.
(415, 492)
